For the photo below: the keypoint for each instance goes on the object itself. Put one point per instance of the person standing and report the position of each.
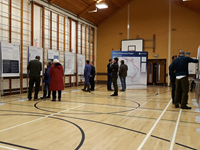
(114, 73)
(34, 68)
(46, 81)
(123, 74)
(56, 84)
(172, 75)
(87, 71)
(181, 66)
(109, 82)
(92, 76)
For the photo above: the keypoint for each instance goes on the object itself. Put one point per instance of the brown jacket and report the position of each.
(123, 70)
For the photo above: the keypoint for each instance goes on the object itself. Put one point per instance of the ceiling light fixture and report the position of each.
(101, 4)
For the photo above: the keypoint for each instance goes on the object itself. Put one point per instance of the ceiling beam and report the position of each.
(86, 9)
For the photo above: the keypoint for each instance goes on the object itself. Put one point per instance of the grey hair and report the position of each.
(181, 52)
(49, 63)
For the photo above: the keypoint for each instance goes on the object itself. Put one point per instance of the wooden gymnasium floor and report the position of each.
(96, 121)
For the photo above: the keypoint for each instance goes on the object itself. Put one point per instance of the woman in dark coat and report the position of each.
(46, 81)
(56, 72)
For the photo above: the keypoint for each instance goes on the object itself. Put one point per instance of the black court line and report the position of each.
(19, 146)
(185, 146)
(160, 138)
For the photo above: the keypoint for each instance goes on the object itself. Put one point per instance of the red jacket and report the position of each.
(56, 72)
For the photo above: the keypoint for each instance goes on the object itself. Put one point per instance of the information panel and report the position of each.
(33, 52)
(10, 60)
(80, 64)
(69, 63)
(52, 54)
(137, 68)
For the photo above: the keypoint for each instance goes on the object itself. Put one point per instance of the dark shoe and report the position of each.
(53, 100)
(122, 90)
(114, 95)
(186, 107)
(83, 90)
(111, 90)
(91, 90)
(49, 94)
(176, 106)
(30, 99)
(59, 99)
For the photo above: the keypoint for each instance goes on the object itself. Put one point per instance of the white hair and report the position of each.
(55, 61)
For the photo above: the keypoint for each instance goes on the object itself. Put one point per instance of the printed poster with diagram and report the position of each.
(33, 52)
(137, 68)
(69, 63)
(80, 64)
(52, 54)
(10, 60)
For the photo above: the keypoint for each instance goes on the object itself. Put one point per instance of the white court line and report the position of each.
(149, 133)
(8, 147)
(140, 106)
(175, 131)
(40, 118)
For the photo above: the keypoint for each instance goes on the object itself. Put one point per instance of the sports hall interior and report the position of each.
(136, 119)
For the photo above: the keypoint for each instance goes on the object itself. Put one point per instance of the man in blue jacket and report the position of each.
(87, 71)
(180, 65)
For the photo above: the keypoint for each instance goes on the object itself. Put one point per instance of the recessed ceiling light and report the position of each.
(101, 5)
(186, 0)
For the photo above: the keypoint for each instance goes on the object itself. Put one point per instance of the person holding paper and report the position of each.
(92, 76)
(123, 74)
(56, 84)
(181, 66)
(46, 81)
(114, 73)
(87, 71)
(34, 68)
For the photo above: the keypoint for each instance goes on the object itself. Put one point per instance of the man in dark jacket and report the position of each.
(87, 71)
(181, 67)
(109, 82)
(172, 75)
(34, 68)
(114, 73)
(123, 74)
(92, 76)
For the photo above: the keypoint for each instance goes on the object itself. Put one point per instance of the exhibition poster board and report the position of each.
(80, 64)
(69, 64)
(52, 54)
(137, 68)
(10, 60)
(132, 45)
(33, 52)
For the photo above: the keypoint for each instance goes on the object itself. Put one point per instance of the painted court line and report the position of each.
(175, 131)
(149, 133)
(140, 106)
(39, 118)
(8, 147)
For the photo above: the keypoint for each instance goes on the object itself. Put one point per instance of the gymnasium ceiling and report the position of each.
(81, 8)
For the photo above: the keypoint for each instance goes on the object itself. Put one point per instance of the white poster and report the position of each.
(69, 63)
(33, 52)
(132, 45)
(80, 64)
(10, 60)
(52, 54)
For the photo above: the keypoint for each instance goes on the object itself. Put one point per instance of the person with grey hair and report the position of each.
(180, 66)
(56, 84)
(46, 81)
(92, 76)
(34, 68)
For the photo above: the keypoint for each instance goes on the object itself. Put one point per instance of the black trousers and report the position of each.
(109, 82)
(114, 80)
(54, 94)
(92, 83)
(33, 80)
(173, 91)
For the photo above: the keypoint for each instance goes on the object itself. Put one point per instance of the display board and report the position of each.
(198, 57)
(52, 54)
(69, 63)
(132, 45)
(137, 68)
(10, 60)
(80, 64)
(33, 52)
(192, 67)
